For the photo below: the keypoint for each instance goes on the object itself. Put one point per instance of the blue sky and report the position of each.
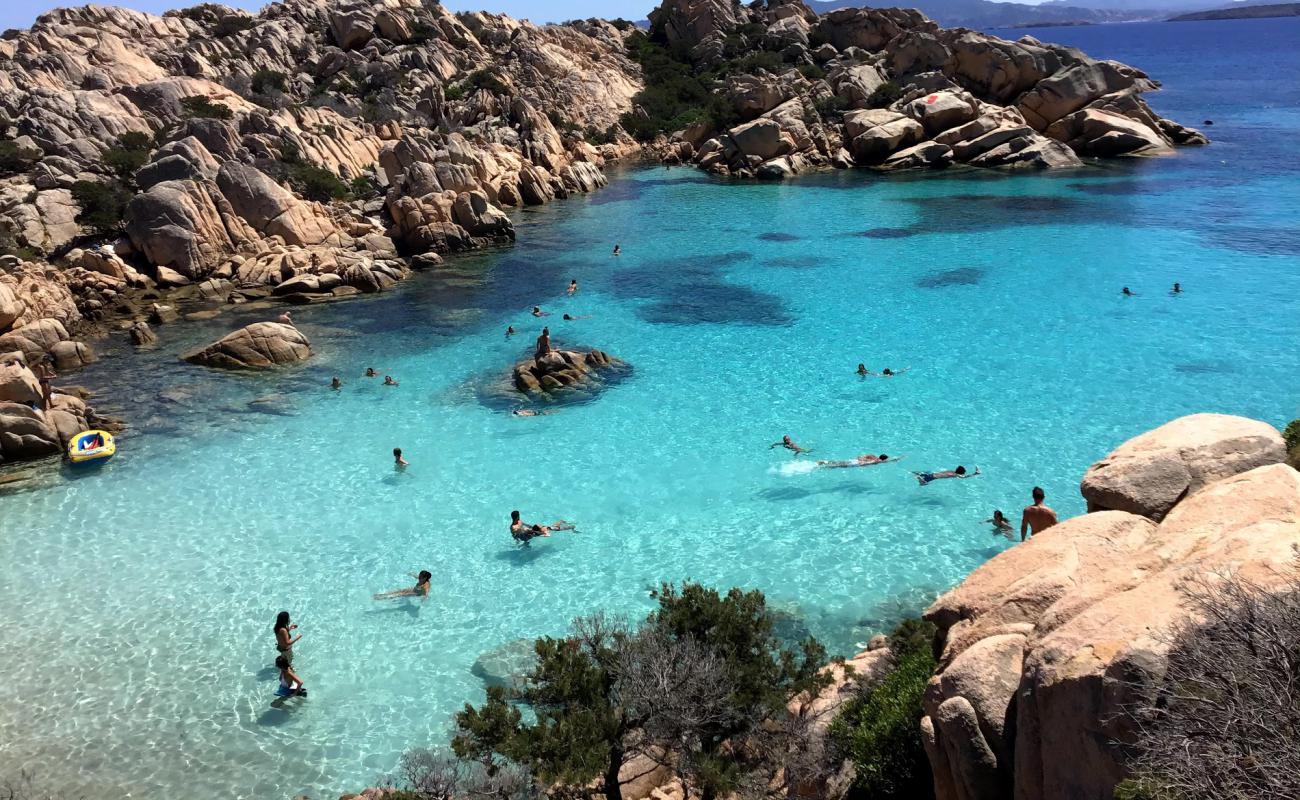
(20, 13)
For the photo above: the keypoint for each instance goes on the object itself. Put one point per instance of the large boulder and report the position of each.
(1151, 473)
(761, 138)
(874, 134)
(256, 346)
(17, 383)
(1073, 88)
(939, 111)
(1105, 134)
(11, 308)
(1044, 646)
(272, 209)
(25, 433)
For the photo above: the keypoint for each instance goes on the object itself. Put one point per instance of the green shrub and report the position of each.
(674, 95)
(886, 93)
(131, 153)
(812, 72)
(103, 205)
(831, 106)
(1292, 434)
(198, 107)
(454, 91)
(316, 183)
(879, 730)
(595, 136)
(266, 80)
(759, 59)
(363, 187)
(483, 79)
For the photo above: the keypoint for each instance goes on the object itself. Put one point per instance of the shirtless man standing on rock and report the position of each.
(1038, 517)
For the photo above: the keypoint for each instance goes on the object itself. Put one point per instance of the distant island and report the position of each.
(1244, 12)
(1074, 24)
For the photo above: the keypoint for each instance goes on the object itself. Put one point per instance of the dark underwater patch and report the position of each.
(717, 303)
(791, 262)
(1263, 240)
(965, 213)
(778, 236)
(887, 233)
(962, 276)
(1205, 367)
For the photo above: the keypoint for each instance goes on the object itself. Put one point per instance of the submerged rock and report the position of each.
(256, 346)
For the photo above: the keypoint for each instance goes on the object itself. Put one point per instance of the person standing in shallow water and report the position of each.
(284, 638)
(573, 286)
(1036, 518)
(398, 461)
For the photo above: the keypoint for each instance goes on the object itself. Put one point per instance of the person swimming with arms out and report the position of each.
(861, 461)
(290, 684)
(421, 588)
(960, 472)
(398, 461)
(789, 444)
(523, 532)
(886, 372)
(570, 318)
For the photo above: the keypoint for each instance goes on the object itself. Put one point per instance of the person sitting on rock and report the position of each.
(1001, 525)
(400, 462)
(388, 381)
(336, 384)
(543, 343)
(860, 461)
(538, 312)
(421, 588)
(370, 372)
(789, 444)
(524, 532)
(286, 318)
(926, 477)
(573, 286)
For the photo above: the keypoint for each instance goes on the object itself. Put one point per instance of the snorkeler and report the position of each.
(926, 477)
(573, 286)
(523, 532)
(421, 588)
(789, 444)
(290, 684)
(398, 461)
(860, 461)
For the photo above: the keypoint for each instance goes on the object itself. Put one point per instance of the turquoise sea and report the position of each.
(137, 602)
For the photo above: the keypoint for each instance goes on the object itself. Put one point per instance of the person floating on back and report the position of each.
(421, 588)
(398, 461)
(860, 461)
(789, 444)
(524, 532)
(290, 684)
(1036, 518)
(927, 477)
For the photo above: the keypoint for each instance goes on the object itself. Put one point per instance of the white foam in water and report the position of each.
(793, 468)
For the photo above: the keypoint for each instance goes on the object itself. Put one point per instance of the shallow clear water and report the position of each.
(138, 600)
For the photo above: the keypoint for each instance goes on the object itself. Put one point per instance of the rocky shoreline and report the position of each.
(327, 148)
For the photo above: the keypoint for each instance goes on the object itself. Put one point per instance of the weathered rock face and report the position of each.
(1044, 645)
(256, 346)
(906, 83)
(1149, 474)
(560, 370)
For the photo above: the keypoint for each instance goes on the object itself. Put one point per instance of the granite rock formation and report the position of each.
(256, 346)
(1043, 646)
(888, 88)
(559, 370)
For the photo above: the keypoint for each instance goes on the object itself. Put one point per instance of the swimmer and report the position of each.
(573, 287)
(528, 412)
(862, 370)
(290, 684)
(398, 461)
(789, 444)
(538, 312)
(388, 381)
(889, 373)
(926, 477)
(286, 318)
(370, 372)
(1001, 525)
(1178, 289)
(571, 318)
(510, 331)
(618, 249)
(523, 532)
(860, 461)
(1127, 292)
(421, 588)
(336, 384)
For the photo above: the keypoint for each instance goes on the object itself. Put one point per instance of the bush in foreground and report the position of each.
(1224, 718)
(879, 730)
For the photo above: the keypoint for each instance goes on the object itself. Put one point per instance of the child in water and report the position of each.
(290, 684)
